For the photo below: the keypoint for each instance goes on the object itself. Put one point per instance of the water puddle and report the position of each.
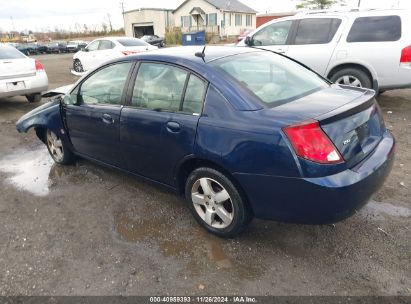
(216, 254)
(29, 170)
(157, 230)
(377, 208)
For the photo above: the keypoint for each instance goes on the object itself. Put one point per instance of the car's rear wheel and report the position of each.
(34, 97)
(77, 66)
(57, 149)
(352, 77)
(216, 203)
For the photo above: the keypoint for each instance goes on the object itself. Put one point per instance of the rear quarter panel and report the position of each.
(242, 141)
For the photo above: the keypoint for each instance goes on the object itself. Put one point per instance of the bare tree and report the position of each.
(110, 25)
(104, 26)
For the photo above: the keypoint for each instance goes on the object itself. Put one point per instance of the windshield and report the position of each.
(8, 52)
(131, 42)
(274, 79)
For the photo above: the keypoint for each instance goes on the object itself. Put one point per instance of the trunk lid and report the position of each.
(17, 68)
(349, 116)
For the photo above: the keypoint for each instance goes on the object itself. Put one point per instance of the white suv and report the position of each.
(360, 48)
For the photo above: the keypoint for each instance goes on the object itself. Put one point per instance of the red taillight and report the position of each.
(310, 142)
(406, 55)
(126, 53)
(39, 66)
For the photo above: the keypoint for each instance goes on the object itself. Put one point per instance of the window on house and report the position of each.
(212, 19)
(249, 20)
(228, 19)
(238, 19)
(186, 21)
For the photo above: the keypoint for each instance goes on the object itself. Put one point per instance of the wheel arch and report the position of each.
(192, 163)
(355, 65)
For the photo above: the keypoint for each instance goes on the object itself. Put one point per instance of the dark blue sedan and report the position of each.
(241, 132)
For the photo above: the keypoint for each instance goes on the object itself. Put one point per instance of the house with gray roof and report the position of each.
(220, 17)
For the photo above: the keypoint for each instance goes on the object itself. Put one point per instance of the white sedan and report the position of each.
(101, 50)
(21, 75)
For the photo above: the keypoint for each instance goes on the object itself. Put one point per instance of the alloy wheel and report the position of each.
(78, 67)
(212, 203)
(55, 146)
(349, 80)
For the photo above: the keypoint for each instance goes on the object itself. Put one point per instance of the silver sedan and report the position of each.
(21, 75)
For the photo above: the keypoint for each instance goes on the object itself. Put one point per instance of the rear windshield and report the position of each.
(8, 52)
(131, 42)
(274, 79)
(373, 29)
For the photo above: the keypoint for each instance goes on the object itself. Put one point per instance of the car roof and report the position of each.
(188, 53)
(115, 38)
(348, 13)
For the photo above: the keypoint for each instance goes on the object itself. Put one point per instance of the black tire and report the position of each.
(34, 97)
(67, 157)
(240, 214)
(352, 73)
(77, 66)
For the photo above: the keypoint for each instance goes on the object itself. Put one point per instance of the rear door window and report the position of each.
(316, 30)
(195, 93)
(375, 29)
(159, 87)
(105, 45)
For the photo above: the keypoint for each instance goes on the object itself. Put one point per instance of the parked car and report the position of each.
(154, 40)
(20, 75)
(241, 132)
(25, 48)
(369, 49)
(57, 47)
(42, 48)
(101, 50)
(75, 46)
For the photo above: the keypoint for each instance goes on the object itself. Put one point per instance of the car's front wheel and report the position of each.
(77, 66)
(57, 149)
(216, 203)
(34, 97)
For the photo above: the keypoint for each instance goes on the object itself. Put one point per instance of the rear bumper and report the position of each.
(34, 84)
(319, 200)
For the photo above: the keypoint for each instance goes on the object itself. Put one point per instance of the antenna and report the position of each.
(202, 54)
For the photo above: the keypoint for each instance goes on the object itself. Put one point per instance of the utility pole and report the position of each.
(122, 7)
(359, 3)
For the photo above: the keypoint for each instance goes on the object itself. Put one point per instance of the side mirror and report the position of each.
(69, 99)
(248, 41)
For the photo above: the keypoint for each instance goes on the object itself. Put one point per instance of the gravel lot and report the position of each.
(89, 230)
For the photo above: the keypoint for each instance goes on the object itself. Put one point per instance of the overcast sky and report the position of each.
(39, 15)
